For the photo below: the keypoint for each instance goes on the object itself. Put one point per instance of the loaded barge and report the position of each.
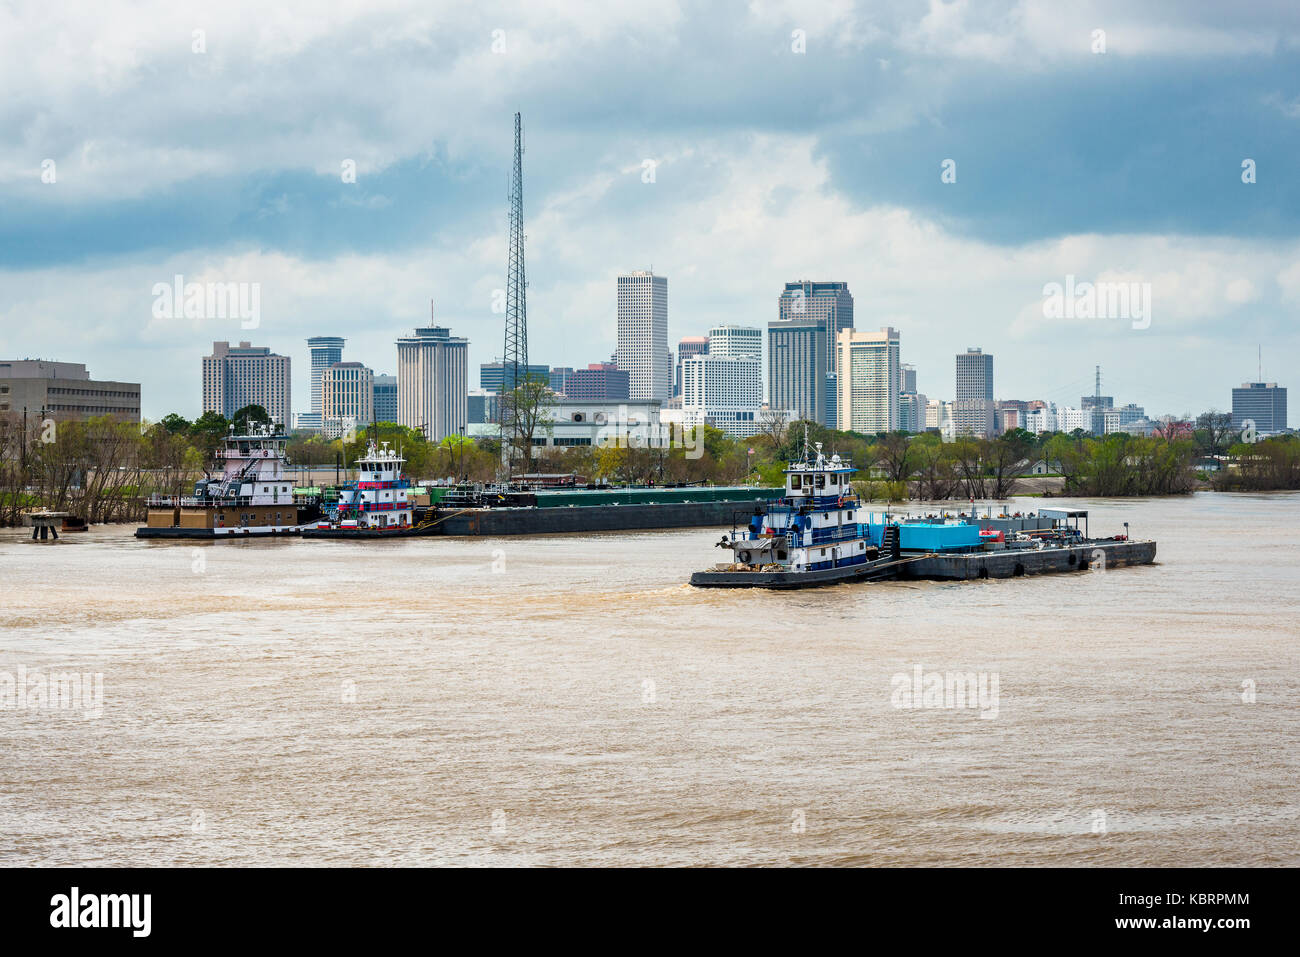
(254, 497)
(819, 534)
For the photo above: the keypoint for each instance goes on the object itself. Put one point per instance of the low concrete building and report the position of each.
(64, 391)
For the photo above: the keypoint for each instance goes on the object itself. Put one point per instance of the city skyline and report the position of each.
(351, 233)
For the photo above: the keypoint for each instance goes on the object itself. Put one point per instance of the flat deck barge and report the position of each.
(969, 566)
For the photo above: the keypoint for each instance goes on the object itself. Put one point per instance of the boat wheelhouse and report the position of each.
(253, 495)
(816, 525)
(380, 498)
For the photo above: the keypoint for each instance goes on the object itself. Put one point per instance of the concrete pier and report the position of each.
(46, 524)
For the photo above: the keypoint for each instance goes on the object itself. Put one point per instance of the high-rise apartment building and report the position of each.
(643, 335)
(868, 378)
(385, 399)
(973, 408)
(1262, 403)
(242, 375)
(433, 382)
(801, 348)
(687, 347)
(64, 391)
(908, 373)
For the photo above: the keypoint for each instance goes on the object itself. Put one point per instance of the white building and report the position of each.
(735, 341)
(723, 391)
(1041, 420)
(869, 380)
(433, 382)
(643, 335)
(593, 422)
(1068, 419)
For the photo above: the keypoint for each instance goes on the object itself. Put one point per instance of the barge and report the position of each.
(819, 534)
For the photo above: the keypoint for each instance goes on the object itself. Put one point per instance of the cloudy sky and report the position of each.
(769, 165)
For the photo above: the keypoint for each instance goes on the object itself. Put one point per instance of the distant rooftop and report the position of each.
(42, 369)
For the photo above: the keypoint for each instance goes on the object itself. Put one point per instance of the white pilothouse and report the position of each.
(816, 525)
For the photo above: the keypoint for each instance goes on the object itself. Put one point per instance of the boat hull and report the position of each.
(1011, 563)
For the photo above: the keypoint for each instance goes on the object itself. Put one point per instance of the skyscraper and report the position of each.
(868, 380)
(972, 412)
(236, 376)
(347, 391)
(643, 335)
(600, 380)
(690, 346)
(385, 400)
(1263, 403)
(801, 347)
(325, 351)
(432, 382)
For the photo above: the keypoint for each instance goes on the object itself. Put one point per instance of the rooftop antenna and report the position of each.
(1260, 371)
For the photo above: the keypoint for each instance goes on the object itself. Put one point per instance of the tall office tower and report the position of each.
(643, 335)
(236, 376)
(385, 400)
(868, 379)
(347, 395)
(690, 346)
(325, 351)
(600, 380)
(433, 382)
(558, 376)
(801, 371)
(723, 391)
(499, 376)
(63, 391)
(1263, 403)
(973, 409)
(908, 373)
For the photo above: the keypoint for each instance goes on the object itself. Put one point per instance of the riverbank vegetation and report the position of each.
(102, 469)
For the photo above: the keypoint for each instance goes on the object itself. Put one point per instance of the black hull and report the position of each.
(1014, 563)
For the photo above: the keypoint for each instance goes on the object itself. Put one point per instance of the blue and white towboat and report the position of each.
(818, 533)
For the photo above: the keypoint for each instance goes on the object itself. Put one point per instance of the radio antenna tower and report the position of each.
(514, 367)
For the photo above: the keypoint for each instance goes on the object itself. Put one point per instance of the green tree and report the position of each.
(250, 415)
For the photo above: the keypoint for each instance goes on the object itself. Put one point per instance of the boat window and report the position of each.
(821, 481)
(794, 481)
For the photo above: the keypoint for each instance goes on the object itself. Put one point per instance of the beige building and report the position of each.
(64, 391)
(868, 377)
(347, 392)
(236, 376)
(433, 382)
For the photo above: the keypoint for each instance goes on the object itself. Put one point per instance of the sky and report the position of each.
(949, 161)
